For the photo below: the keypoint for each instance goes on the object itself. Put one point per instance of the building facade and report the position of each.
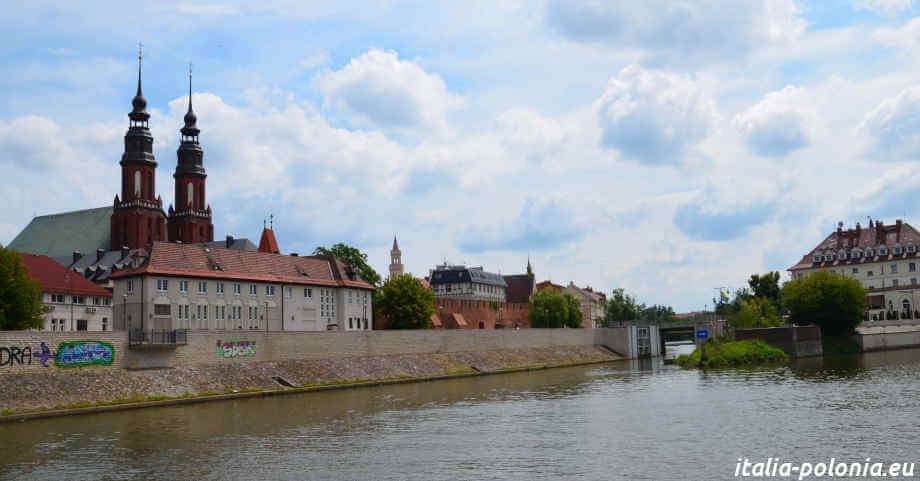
(183, 286)
(591, 303)
(468, 297)
(73, 302)
(883, 258)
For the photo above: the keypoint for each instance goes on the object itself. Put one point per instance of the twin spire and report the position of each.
(189, 132)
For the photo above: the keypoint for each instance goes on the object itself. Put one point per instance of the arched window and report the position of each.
(149, 186)
(137, 183)
(906, 306)
(191, 195)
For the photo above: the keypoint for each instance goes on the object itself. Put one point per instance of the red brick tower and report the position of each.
(190, 221)
(138, 219)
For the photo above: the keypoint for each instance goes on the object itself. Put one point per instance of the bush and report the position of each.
(734, 353)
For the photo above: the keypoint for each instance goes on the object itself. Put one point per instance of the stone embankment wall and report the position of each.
(887, 337)
(48, 369)
(799, 341)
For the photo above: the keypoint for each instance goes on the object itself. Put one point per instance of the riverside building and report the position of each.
(73, 302)
(189, 286)
(883, 258)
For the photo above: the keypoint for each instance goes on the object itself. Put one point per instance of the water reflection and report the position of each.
(628, 420)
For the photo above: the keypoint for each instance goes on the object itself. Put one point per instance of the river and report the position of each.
(630, 420)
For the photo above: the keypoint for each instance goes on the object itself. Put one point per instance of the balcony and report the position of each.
(141, 338)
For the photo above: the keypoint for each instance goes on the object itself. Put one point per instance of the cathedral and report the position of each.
(137, 217)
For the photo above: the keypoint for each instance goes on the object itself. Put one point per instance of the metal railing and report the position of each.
(161, 337)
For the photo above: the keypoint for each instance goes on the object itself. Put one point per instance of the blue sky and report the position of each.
(663, 147)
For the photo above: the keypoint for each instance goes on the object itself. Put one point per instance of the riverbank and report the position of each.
(30, 395)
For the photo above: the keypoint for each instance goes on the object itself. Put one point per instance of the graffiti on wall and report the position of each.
(13, 355)
(84, 353)
(236, 348)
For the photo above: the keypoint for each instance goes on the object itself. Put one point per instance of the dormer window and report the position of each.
(856, 254)
(828, 257)
(882, 251)
(818, 258)
(911, 249)
(842, 255)
(898, 250)
(869, 252)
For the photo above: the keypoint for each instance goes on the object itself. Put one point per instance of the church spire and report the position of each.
(190, 130)
(139, 115)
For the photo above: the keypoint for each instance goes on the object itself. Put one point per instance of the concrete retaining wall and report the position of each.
(234, 346)
(880, 339)
(800, 341)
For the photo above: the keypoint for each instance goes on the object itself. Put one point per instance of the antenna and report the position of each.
(271, 221)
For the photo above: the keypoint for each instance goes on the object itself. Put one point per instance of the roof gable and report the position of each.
(56, 278)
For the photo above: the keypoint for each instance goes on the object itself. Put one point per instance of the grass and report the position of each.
(733, 353)
(839, 345)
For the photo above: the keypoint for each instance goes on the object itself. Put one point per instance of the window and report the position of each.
(54, 324)
(191, 195)
(871, 286)
(82, 324)
(105, 323)
(365, 323)
(59, 298)
(869, 274)
(202, 287)
(894, 282)
(897, 250)
(220, 288)
(912, 267)
(205, 311)
(137, 183)
(161, 309)
(883, 251)
(855, 270)
(179, 312)
(252, 289)
(162, 285)
(96, 300)
(817, 258)
(288, 292)
(107, 301)
(913, 281)
(911, 249)
(308, 293)
(269, 290)
(130, 286)
(869, 252)
(199, 312)
(350, 324)
(236, 289)
(183, 286)
(894, 268)
(79, 300)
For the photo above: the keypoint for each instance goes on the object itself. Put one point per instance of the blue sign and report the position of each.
(702, 334)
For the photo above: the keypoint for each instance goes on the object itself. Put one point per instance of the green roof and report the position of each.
(58, 235)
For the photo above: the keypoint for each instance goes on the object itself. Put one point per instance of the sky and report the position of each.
(669, 148)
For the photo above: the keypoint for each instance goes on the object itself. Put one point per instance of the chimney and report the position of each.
(77, 255)
(229, 242)
(124, 251)
(858, 232)
(879, 232)
(99, 254)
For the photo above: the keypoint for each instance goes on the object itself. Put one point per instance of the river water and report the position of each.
(631, 420)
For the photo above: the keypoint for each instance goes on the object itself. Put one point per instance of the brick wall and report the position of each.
(21, 351)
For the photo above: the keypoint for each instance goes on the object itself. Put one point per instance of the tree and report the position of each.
(620, 307)
(831, 301)
(549, 308)
(755, 312)
(766, 286)
(20, 295)
(657, 313)
(353, 258)
(405, 302)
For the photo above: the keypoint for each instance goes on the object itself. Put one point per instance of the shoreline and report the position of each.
(113, 406)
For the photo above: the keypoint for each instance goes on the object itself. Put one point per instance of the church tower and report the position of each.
(396, 266)
(190, 220)
(138, 219)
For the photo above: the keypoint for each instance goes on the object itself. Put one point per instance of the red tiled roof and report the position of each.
(219, 263)
(458, 318)
(268, 243)
(900, 233)
(520, 287)
(549, 285)
(56, 278)
(435, 320)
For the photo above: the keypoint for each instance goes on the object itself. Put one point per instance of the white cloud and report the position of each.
(379, 90)
(884, 7)
(781, 123)
(654, 117)
(679, 31)
(895, 125)
(317, 60)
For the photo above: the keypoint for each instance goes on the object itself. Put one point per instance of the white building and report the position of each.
(74, 303)
(461, 282)
(186, 286)
(883, 258)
